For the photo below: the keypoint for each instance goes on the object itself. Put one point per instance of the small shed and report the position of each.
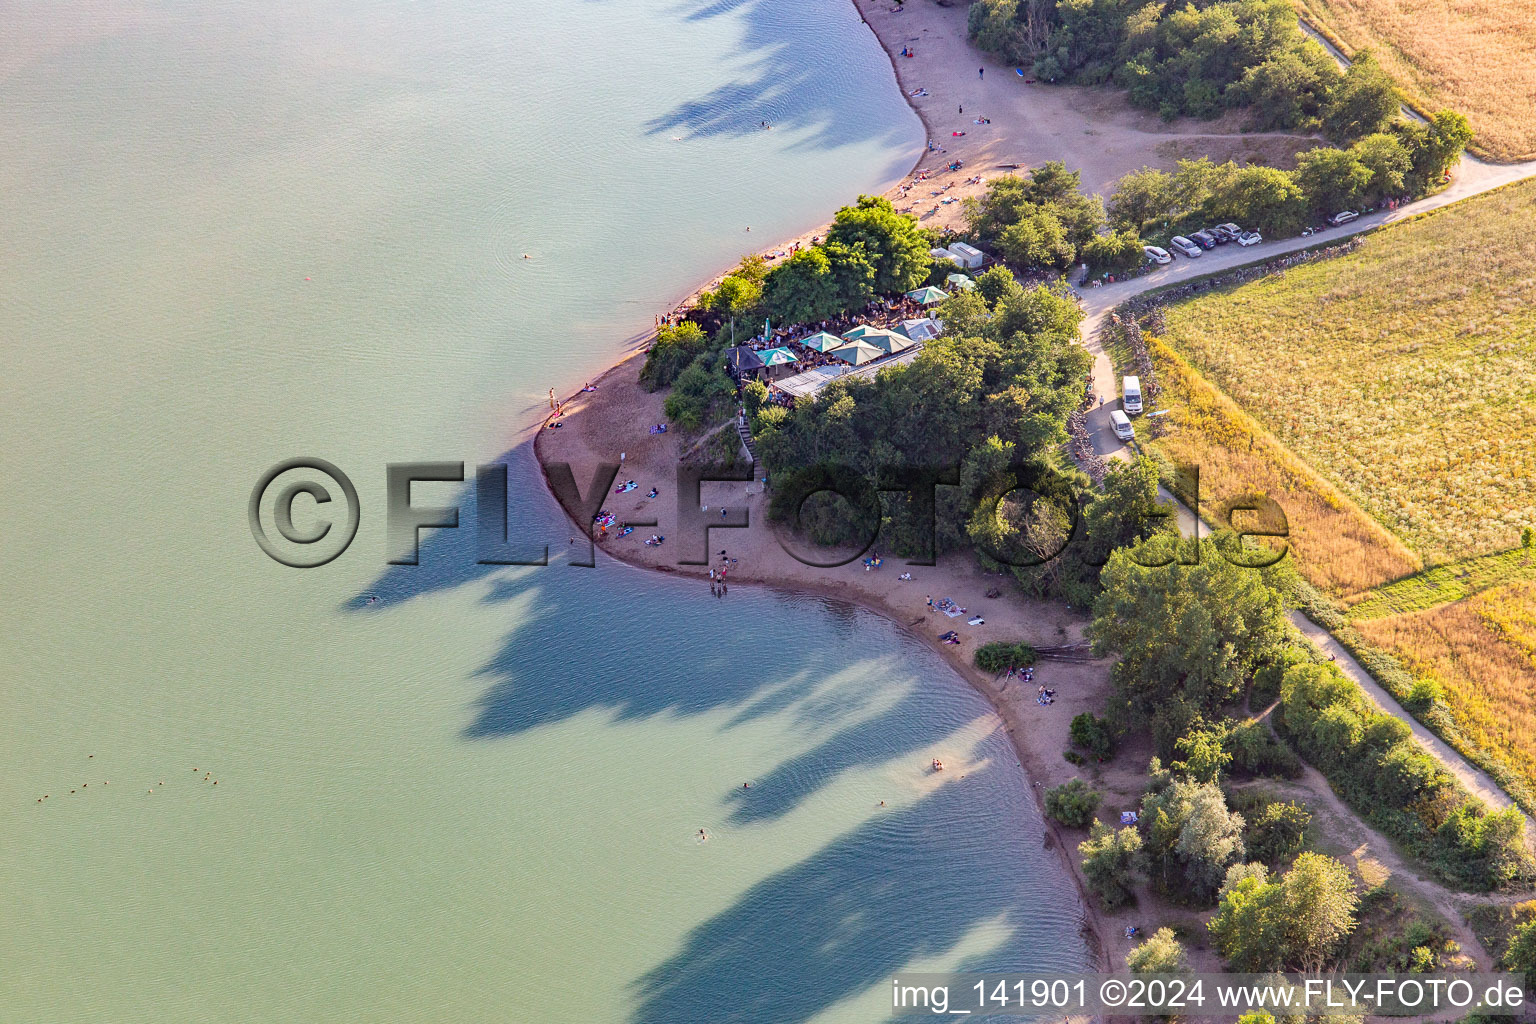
(944, 254)
(967, 256)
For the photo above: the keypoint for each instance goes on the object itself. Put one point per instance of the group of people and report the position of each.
(949, 638)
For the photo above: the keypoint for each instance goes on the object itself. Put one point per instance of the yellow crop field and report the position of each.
(1475, 56)
(1404, 373)
(1482, 651)
(1337, 546)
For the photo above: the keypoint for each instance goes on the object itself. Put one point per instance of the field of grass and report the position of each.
(1404, 373)
(1482, 652)
(1446, 583)
(1476, 56)
(1339, 548)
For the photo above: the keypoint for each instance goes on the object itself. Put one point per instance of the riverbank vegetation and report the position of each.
(1397, 158)
(1194, 61)
(1426, 47)
(1198, 636)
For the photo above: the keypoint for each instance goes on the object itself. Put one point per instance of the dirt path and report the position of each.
(1374, 857)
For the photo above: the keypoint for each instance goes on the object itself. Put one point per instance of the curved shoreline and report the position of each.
(1094, 927)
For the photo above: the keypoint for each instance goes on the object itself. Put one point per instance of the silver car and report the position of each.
(1185, 247)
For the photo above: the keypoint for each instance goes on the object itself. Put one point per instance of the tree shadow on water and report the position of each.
(625, 641)
(791, 83)
(901, 888)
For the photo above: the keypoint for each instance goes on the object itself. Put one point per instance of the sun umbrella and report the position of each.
(858, 353)
(859, 332)
(821, 341)
(887, 341)
(927, 295)
(777, 357)
(960, 281)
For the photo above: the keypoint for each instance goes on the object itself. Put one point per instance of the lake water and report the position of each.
(238, 232)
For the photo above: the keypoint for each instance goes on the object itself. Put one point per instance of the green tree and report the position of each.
(1434, 148)
(1117, 251)
(1192, 837)
(1141, 198)
(1161, 953)
(1331, 179)
(1192, 631)
(1093, 735)
(1037, 239)
(894, 245)
(1364, 103)
(1521, 953)
(676, 346)
(1289, 89)
(1265, 199)
(1295, 922)
(1072, 803)
(1389, 163)
(1277, 832)
(1111, 862)
(1204, 755)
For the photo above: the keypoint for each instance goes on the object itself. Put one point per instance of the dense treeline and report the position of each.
(1043, 222)
(993, 391)
(1373, 761)
(1404, 158)
(1193, 60)
(870, 250)
(1196, 634)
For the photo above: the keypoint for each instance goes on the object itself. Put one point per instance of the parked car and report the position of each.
(1130, 394)
(1229, 231)
(1342, 217)
(1185, 247)
(1122, 425)
(1249, 238)
(1157, 255)
(1205, 239)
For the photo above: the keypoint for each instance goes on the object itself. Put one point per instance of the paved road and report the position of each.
(1475, 779)
(1471, 178)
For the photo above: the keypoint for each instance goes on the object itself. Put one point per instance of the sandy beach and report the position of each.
(951, 86)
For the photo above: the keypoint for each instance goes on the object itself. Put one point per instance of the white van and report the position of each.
(1130, 390)
(1122, 425)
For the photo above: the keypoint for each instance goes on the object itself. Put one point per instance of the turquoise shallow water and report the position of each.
(240, 232)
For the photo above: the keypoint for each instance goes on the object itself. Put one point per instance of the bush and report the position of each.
(1114, 252)
(1425, 694)
(677, 345)
(1376, 766)
(1111, 862)
(1277, 832)
(999, 657)
(1093, 735)
(703, 393)
(1160, 954)
(1255, 751)
(1072, 803)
